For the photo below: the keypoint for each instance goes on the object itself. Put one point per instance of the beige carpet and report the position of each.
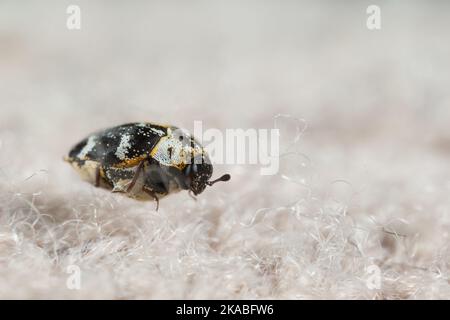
(364, 195)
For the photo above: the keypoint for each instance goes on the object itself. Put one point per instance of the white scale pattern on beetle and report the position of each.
(162, 154)
(181, 153)
(155, 131)
(122, 149)
(90, 144)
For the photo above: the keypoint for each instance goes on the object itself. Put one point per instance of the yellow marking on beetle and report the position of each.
(155, 149)
(102, 172)
(180, 166)
(130, 162)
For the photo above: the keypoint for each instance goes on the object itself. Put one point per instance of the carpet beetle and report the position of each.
(144, 161)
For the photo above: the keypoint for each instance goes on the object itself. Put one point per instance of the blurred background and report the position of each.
(376, 148)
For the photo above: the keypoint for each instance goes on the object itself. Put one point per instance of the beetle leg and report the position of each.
(191, 195)
(153, 195)
(97, 176)
(136, 176)
(117, 190)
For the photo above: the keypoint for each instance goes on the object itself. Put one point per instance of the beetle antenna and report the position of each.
(224, 178)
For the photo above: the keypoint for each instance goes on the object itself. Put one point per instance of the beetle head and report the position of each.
(198, 168)
(198, 174)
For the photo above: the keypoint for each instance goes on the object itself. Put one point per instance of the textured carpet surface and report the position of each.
(363, 193)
